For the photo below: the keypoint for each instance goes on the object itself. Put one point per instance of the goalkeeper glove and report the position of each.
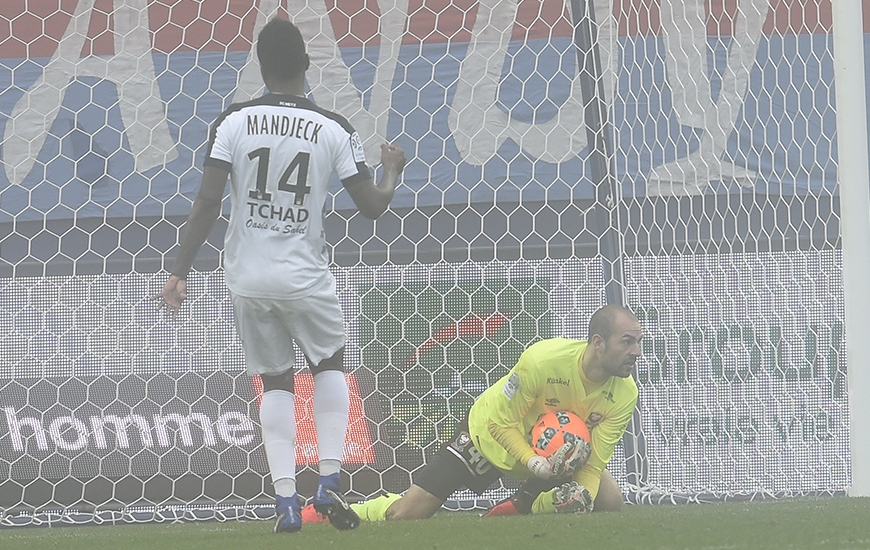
(572, 498)
(564, 461)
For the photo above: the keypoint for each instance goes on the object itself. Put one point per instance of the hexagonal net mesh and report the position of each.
(672, 155)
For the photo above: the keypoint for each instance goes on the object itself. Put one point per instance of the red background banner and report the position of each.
(33, 29)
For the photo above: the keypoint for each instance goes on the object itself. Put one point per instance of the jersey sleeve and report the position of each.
(507, 411)
(605, 437)
(351, 164)
(513, 441)
(219, 150)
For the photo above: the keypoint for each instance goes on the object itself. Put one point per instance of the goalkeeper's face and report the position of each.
(622, 350)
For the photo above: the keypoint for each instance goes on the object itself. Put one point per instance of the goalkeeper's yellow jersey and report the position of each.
(548, 377)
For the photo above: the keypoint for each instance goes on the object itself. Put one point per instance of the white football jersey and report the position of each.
(281, 152)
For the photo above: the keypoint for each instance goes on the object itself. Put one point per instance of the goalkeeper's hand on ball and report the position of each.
(572, 498)
(565, 461)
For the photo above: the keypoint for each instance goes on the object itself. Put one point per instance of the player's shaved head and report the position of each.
(281, 50)
(605, 319)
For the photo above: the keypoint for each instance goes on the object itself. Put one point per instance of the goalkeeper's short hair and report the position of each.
(604, 319)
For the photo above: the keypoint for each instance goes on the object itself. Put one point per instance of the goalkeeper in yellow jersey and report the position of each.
(591, 378)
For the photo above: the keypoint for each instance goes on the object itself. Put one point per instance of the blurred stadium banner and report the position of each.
(80, 132)
(140, 439)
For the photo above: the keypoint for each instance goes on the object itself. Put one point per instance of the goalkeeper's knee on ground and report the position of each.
(520, 503)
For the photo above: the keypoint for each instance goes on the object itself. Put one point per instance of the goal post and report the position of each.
(599, 132)
(689, 172)
(607, 202)
(854, 175)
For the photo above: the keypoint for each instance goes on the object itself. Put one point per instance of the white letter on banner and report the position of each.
(131, 69)
(59, 426)
(121, 424)
(235, 428)
(684, 27)
(479, 127)
(161, 423)
(15, 424)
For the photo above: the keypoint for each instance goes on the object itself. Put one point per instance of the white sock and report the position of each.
(286, 487)
(278, 419)
(329, 466)
(331, 404)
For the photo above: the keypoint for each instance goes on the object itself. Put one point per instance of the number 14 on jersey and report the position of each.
(297, 171)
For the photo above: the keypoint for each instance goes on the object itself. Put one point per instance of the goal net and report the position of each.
(678, 156)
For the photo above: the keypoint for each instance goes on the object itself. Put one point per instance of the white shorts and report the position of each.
(268, 328)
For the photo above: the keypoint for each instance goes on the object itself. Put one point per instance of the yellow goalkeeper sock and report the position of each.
(375, 509)
(543, 504)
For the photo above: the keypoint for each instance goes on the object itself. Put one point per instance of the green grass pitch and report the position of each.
(828, 523)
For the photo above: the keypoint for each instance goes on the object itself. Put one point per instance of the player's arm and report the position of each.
(372, 200)
(512, 439)
(205, 211)
(605, 437)
(514, 400)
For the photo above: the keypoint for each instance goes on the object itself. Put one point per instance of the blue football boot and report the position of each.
(329, 502)
(288, 510)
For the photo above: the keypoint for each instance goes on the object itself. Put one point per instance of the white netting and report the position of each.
(714, 125)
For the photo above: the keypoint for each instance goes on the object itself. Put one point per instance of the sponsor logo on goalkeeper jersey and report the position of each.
(461, 441)
(511, 385)
(594, 419)
(558, 380)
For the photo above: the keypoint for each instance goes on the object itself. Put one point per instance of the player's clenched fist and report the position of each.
(392, 157)
(567, 459)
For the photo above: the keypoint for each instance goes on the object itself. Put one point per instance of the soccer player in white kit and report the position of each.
(280, 152)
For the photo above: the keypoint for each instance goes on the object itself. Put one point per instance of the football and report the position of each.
(555, 428)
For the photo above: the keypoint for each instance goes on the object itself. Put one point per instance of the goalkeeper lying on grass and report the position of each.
(591, 378)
